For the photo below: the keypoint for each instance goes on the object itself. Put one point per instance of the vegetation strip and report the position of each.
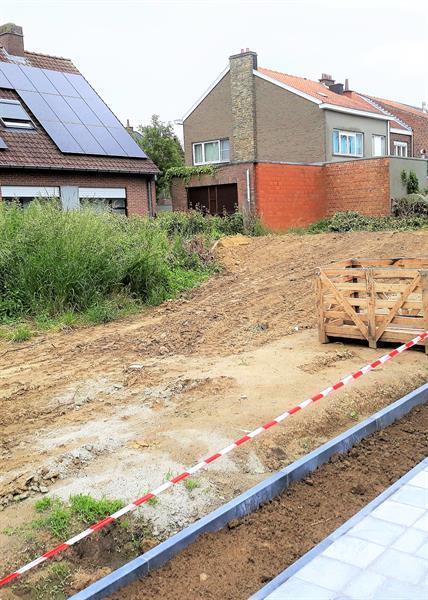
(147, 497)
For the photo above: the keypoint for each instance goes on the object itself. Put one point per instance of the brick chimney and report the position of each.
(12, 39)
(243, 105)
(326, 79)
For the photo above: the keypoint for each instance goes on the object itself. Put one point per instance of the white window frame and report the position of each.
(348, 134)
(383, 137)
(401, 145)
(209, 162)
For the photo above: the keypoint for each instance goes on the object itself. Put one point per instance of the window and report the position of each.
(104, 199)
(211, 152)
(400, 149)
(379, 145)
(12, 114)
(25, 194)
(347, 143)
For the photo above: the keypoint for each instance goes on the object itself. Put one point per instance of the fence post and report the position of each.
(371, 308)
(424, 286)
(323, 338)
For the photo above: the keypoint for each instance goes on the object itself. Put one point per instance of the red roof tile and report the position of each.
(34, 148)
(321, 92)
(391, 104)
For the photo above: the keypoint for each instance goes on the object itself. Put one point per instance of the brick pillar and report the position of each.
(243, 106)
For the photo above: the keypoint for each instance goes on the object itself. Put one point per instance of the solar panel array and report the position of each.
(70, 111)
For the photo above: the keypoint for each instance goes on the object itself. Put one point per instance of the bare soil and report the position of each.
(111, 410)
(238, 560)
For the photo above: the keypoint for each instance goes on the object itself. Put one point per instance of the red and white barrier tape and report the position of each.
(201, 465)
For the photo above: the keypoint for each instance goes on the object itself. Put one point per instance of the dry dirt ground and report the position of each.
(112, 410)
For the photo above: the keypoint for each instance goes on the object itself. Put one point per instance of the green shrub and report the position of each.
(410, 180)
(353, 221)
(55, 263)
(411, 205)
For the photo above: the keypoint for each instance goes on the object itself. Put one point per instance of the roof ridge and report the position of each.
(50, 56)
(290, 75)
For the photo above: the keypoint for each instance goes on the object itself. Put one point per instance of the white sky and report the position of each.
(146, 57)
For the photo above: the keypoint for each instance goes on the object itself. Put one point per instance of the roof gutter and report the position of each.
(15, 166)
(355, 111)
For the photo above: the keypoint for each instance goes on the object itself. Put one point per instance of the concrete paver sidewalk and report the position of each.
(383, 557)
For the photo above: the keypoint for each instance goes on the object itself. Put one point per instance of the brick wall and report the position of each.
(136, 185)
(228, 174)
(361, 185)
(397, 137)
(289, 195)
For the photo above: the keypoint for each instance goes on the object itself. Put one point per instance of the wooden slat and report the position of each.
(395, 273)
(424, 286)
(319, 303)
(345, 304)
(344, 331)
(390, 287)
(417, 322)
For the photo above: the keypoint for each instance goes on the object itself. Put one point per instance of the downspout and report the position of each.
(388, 151)
(150, 197)
(248, 191)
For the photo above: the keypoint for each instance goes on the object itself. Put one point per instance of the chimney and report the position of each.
(12, 39)
(242, 90)
(424, 106)
(326, 79)
(337, 88)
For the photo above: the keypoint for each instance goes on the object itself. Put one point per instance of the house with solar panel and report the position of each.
(59, 139)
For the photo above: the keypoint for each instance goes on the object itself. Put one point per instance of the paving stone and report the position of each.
(401, 566)
(297, 589)
(397, 590)
(410, 541)
(376, 530)
(422, 523)
(354, 551)
(421, 479)
(395, 512)
(329, 573)
(410, 494)
(364, 585)
(423, 551)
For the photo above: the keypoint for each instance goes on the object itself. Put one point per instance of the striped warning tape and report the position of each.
(204, 463)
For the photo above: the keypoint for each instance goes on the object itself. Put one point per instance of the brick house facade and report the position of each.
(295, 150)
(31, 161)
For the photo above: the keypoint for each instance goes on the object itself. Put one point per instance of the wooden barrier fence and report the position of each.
(373, 299)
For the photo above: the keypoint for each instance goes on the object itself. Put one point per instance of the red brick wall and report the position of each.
(236, 173)
(289, 195)
(136, 185)
(361, 185)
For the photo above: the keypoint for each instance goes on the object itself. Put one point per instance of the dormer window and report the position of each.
(13, 115)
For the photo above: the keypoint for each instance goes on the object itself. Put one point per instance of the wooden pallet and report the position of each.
(373, 299)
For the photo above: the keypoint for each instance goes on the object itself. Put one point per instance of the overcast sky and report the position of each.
(147, 57)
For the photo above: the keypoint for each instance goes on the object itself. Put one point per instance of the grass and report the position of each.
(191, 484)
(59, 517)
(52, 585)
(342, 222)
(60, 269)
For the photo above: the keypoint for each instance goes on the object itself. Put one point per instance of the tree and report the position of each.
(159, 142)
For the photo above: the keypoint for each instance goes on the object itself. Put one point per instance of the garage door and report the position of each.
(214, 199)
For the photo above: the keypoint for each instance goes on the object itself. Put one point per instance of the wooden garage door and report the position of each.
(213, 199)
